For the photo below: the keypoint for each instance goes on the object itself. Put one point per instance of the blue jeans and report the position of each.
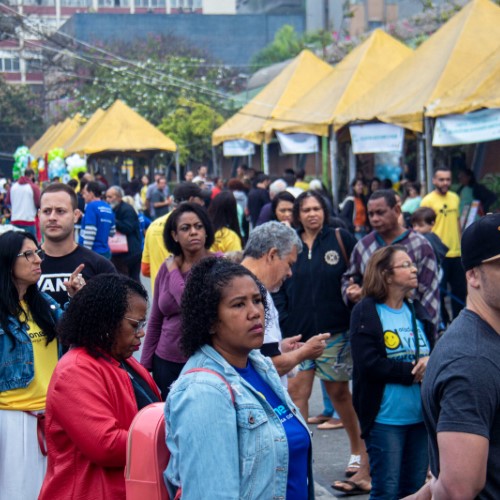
(398, 460)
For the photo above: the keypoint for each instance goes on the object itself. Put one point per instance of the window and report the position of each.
(9, 64)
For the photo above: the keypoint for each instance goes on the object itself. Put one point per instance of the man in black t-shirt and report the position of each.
(58, 214)
(461, 387)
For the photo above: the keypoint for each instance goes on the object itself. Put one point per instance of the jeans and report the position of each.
(398, 460)
(454, 275)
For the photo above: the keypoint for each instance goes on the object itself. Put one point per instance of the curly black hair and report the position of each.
(173, 219)
(201, 298)
(94, 314)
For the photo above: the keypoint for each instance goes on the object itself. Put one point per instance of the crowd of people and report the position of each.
(259, 286)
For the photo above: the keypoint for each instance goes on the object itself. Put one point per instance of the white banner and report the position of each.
(376, 138)
(239, 147)
(480, 126)
(297, 143)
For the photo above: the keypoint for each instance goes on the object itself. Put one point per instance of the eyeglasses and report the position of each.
(141, 324)
(405, 265)
(29, 255)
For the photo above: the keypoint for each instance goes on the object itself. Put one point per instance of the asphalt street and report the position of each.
(330, 448)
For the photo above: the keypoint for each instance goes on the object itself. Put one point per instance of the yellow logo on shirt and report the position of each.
(391, 339)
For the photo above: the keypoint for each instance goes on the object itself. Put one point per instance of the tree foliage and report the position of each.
(191, 126)
(20, 116)
(156, 73)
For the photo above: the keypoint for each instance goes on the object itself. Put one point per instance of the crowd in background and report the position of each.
(359, 290)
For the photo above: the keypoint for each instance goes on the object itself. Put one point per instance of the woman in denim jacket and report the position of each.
(28, 356)
(232, 430)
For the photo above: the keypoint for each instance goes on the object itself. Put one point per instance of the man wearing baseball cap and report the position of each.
(461, 387)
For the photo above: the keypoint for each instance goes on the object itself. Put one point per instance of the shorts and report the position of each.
(335, 364)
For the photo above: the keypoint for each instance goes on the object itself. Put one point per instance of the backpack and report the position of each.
(147, 452)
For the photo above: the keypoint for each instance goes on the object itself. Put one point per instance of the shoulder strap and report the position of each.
(341, 245)
(207, 370)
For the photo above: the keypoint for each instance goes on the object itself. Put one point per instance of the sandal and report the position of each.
(353, 466)
(330, 424)
(352, 490)
(318, 419)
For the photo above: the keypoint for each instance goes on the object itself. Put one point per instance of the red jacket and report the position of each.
(90, 406)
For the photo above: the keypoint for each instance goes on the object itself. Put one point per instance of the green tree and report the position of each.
(191, 126)
(286, 44)
(20, 116)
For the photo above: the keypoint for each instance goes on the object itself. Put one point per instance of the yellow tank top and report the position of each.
(33, 396)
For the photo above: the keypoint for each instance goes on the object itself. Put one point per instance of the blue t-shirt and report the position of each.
(297, 436)
(97, 222)
(401, 404)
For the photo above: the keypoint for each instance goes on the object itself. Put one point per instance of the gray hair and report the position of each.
(119, 191)
(270, 235)
(278, 186)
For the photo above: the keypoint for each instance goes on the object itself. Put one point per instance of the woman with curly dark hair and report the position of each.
(28, 356)
(188, 235)
(224, 216)
(228, 411)
(96, 390)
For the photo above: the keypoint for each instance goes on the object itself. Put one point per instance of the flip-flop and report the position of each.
(318, 419)
(330, 424)
(353, 491)
(354, 463)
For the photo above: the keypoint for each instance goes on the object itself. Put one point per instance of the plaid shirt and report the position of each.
(419, 250)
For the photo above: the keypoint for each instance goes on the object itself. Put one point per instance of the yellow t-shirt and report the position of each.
(155, 251)
(226, 240)
(33, 397)
(447, 226)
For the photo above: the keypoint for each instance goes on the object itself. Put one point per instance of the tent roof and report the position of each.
(432, 70)
(68, 128)
(80, 135)
(362, 68)
(480, 89)
(122, 129)
(283, 92)
(41, 145)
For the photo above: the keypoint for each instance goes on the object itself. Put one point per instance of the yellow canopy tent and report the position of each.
(35, 148)
(438, 65)
(480, 89)
(41, 147)
(80, 135)
(352, 77)
(281, 94)
(70, 126)
(122, 129)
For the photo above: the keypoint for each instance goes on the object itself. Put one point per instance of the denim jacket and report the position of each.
(17, 364)
(225, 451)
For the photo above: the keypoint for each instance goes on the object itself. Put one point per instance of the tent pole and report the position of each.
(264, 149)
(334, 166)
(352, 165)
(428, 152)
(324, 160)
(421, 159)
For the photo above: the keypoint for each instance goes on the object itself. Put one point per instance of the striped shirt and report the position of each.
(421, 253)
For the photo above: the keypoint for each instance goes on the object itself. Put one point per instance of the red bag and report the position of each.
(118, 243)
(147, 455)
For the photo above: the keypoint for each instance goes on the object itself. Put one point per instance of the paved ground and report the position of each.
(330, 452)
(330, 448)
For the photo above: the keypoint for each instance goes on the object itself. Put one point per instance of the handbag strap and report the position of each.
(40, 430)
(207, 370)
(341, 245)
(415, 330)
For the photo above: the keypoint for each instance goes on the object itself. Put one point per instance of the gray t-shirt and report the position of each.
(461, 391)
